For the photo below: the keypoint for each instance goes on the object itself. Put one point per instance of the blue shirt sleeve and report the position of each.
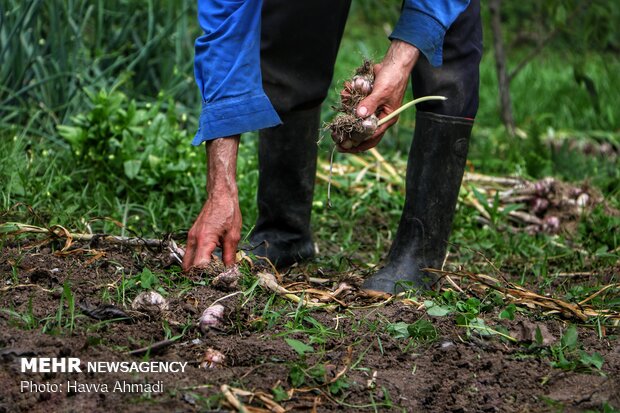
(423, 23)
(227, 70)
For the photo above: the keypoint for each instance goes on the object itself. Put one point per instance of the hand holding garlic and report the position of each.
(372, 94)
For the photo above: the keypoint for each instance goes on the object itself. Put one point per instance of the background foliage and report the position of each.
(98, 107)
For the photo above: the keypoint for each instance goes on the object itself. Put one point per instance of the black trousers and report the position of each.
(299, 44)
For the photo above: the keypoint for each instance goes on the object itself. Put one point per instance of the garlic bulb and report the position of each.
(212, 317)
(212, 359)
(149, 300)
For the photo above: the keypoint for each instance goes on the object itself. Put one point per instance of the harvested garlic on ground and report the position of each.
(211, 318)
(212, 359)
(149, 300)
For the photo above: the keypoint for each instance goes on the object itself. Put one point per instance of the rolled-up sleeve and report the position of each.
(227, 70)
(423, 23)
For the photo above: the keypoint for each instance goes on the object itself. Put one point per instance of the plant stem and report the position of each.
(407, 106)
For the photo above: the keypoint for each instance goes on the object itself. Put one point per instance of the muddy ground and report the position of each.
(451, 373)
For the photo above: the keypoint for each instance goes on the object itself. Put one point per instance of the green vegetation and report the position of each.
(104, 129)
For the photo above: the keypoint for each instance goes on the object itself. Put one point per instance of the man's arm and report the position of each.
(227, 70)
(219, 222)
(420, 30)
(423, 23)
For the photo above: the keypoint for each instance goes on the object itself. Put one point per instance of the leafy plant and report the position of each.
(54, 324)
(421, 330)
(296, 375)
(51, 50)
(436, 310)
(301, 373)
(279, 394)
(26, 320)
(467, 313)
(148, 279)
(68, 296)
(138, 144)
(567, 354)
(508, 313)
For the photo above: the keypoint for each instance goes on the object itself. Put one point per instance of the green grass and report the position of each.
(51, 50)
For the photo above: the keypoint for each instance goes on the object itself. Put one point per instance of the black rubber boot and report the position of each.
(434, 173)
(287, 168)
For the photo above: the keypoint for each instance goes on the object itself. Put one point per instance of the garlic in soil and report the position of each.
(228, 280)
(212, 317)
(149, 301)
(212, 359)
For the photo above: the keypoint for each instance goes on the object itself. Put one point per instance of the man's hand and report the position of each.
(391, 78)
(219, 222)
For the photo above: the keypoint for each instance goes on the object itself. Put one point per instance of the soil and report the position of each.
(453, 373)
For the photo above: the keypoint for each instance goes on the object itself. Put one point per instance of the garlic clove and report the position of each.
(228, 280)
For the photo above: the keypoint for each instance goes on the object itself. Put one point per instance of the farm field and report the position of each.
(452, 351)
(99, 185)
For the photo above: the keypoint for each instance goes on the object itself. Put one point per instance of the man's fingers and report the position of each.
(367, 106)
(188, 258)
(199, 253)
(203, 253)
(367, 144)
(372, 102)
(364, 146)
(229, 250)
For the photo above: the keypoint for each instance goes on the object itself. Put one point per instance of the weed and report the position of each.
(567, 355)
(124, 285)
(68, 296)
(26, 320)
(142, 146)
(467, 312)
(419, 331)
(300, 322)
(508, 313)
(299, 347)
(62, 320)
(605, 408)
(208, 403)
(279, 394)
(97, 108)
(302, 374)
(148, 280)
